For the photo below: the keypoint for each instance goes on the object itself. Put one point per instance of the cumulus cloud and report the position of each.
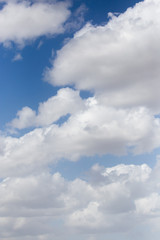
(31, 20)
(94, 130)
(118, 61)
(100, 124)
(44, 206)
(103, 59)
(67, 101)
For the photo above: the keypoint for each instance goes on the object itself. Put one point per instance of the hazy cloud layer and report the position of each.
(21, 21)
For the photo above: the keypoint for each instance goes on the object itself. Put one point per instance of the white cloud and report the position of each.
(31, 20)
(118, 61)
(149, 205)
(107, 122)
(67, 101)
(95, 129)
(44, 206)
(17, 57)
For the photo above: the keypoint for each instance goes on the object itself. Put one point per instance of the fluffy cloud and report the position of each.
(95, 129)
(67, 101)
(21, 21)
(115, 201)
(118, 61)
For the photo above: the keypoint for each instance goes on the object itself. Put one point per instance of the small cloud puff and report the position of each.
(17, 57)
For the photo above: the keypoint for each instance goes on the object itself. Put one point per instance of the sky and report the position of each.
(79, 120)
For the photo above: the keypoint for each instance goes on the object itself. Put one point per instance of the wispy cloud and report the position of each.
(17, 57)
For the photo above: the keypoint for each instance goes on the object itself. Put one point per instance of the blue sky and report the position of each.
(79, 120)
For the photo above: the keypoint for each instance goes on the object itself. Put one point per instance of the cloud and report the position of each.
(31, 20)
(121, 202)
(67, 101)
(76, 20)
(93, 129)
(118, 61)
(101, 124)
(44, 206)
(17, 57)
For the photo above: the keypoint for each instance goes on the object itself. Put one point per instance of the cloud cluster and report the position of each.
(118, 61)
(92, 128)
(115, 201)
(22, 21)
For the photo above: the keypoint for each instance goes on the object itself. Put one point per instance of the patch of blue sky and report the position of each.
(157, 116)
(98, 10)
(22, 81)
(2, 5)
(86, 94)
(71, 170)
(62, 120)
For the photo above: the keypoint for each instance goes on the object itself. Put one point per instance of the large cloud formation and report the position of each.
(92, 128)
(21, 21)
(119, 61)
(108, 122)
